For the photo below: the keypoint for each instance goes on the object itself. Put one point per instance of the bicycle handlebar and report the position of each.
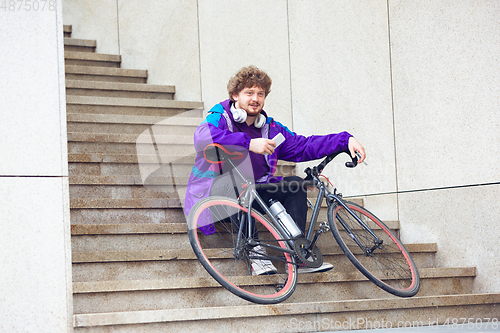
(318, 169)
(327, 160)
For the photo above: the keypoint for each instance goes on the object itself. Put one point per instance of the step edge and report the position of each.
(252, 310)
(99, 118)
(70, 41)
(126, 158)
(171, 139)
(153, 255)
(128, 228)
(208, 282)
(125, 180)
(132, 102)
(154, 228)
(119, 86)
(91, 56)
(124, 203)
(105, 71)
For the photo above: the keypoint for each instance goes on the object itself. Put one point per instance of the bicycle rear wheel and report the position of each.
(228, 256)
(388, 265)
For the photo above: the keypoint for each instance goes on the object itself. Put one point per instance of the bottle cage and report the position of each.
(216, 153)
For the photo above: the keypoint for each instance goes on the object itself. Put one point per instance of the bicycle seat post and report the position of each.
(239, 172)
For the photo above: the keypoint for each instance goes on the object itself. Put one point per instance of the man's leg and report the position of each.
(229, 185)
(294, 200)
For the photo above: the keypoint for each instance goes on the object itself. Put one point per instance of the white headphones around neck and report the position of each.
(240, 116)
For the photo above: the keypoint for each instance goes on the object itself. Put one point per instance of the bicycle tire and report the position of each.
(229, 264)
(390, 266)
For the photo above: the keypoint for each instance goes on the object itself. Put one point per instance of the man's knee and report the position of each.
(295, 186)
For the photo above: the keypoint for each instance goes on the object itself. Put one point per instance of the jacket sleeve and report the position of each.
(299, 148)
(214, 130)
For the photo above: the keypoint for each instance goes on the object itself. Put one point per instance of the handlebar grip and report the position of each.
(352, 164)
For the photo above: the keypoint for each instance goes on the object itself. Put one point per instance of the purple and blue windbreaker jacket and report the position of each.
(218, 127)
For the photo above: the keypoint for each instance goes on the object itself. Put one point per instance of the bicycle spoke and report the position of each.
(389, 265)
(234, 258)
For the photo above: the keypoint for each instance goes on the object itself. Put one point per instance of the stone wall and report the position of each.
(35, 274)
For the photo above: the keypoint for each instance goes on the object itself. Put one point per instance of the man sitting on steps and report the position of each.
(241, 121)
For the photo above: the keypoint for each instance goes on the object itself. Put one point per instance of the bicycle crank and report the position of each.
(310, 257)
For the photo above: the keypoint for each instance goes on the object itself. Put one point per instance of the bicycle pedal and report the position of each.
(324, 227)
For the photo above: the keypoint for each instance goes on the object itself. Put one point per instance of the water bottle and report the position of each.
(285, 219)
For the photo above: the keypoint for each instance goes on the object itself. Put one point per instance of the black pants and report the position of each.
(293, 199)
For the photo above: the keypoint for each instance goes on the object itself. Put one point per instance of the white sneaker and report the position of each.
(262, 266)
(323, 268)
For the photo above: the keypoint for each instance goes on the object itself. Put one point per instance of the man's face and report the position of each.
(251, 100)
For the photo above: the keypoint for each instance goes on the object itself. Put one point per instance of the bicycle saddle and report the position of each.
(216, 153)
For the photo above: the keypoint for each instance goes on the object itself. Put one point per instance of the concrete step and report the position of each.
(143, 211)
(106, 177)
(130, 138)
(135, 237)
(89, 237)
(103, 216)
(129, 124)
(79, 45)
(118, 89)
(128, 250)
(92, 73)
(180, 167)
(128, 229)
(209, 282)
(67, 30)
(75, 58)
(122, 183)
(121, 119)
(128, 191)
(133, 106)
(94, 265)
(297, 317)
(102, 195)
(159, 265)
(100, 158)
(143, 198)
(155, 203)
(176, 293)
(127, 146)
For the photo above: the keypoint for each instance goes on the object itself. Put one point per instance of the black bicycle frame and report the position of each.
(252, 195)
(333, 197)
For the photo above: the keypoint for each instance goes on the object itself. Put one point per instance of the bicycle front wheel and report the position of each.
(388, 263)
(232, 257)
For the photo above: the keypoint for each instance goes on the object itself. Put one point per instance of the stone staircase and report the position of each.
(133, 267)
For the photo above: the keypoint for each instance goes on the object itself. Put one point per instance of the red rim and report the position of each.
(405, 254)
(273, 232)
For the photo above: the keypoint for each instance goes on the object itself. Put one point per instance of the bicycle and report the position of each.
(240, 234)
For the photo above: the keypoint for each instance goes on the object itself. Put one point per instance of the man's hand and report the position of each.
(262, 146)
(355, 146)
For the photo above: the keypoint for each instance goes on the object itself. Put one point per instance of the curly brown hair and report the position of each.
(248, 77)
